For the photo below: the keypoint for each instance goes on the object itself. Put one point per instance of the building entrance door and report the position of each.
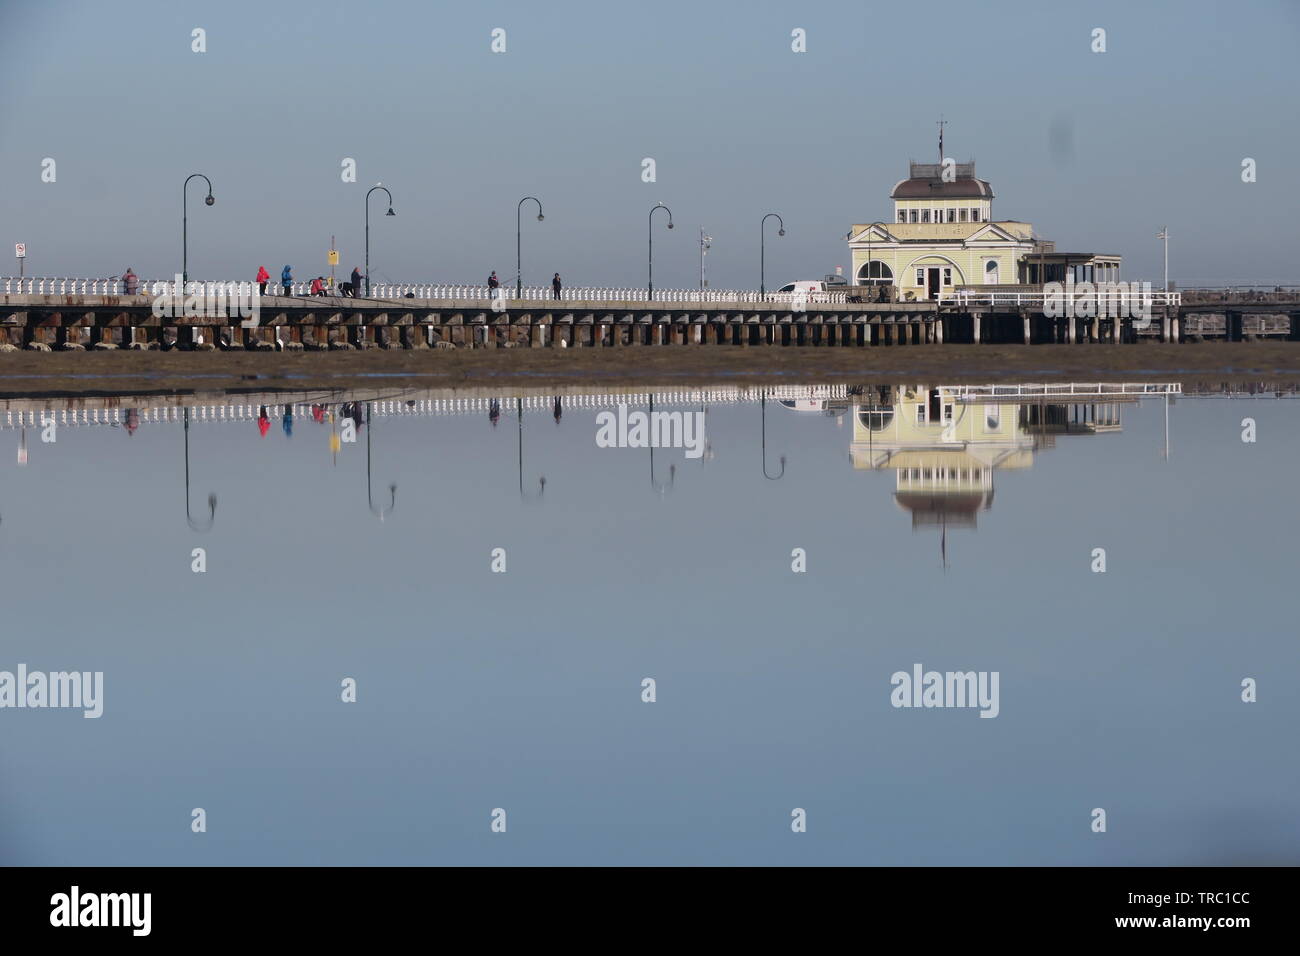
(932, 282)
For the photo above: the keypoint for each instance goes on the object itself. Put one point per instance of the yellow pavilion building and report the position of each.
(943, 235)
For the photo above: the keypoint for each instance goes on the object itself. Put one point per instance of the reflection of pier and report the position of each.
(114, 411)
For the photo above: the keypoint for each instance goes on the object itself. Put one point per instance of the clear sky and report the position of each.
(1098, 150)
(522, 690)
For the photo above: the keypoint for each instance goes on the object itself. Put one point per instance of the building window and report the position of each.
(925, 215)
(920, 414)
(947, 275)
(902, 215)
(975, 215)
(992, 417)
(952, 215)
(911, 215)
(962, 214)
(920, 277)
(991, 272)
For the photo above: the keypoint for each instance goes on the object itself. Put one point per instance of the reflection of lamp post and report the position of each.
(708, 445)
(650, 275)
(762, 249)
(659, 486)
(763, 409)
(519, 269)
(380, 512)
(212, 498)
(389, 213)
(541, 482)
(185, 225)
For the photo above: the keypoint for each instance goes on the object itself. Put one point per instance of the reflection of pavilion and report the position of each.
(944, 443)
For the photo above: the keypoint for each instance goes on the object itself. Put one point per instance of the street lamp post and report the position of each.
(212, 498)
(871, 231)
(1164, 234)
(519, 269)
(389, 213)
(185, 224)
(762, 250)
(650, 275)
(1164, 299)
(704, 248)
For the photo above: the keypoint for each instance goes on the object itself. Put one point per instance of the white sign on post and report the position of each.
(20, 250)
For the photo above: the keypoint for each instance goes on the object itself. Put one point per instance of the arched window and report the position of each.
(875, 418)
(875, 272)
(991, 272)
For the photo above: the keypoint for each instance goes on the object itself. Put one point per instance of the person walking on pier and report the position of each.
(356, 282)
(555, 285)
(130, 281)
(263, 277)
(494, 284)
(286, 280)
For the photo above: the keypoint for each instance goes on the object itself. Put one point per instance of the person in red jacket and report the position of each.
(263, 277)
(318, 285)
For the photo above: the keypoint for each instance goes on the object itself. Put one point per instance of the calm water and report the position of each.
(965, 551)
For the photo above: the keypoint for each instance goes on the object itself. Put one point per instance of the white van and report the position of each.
(804, 285)
(811, 290)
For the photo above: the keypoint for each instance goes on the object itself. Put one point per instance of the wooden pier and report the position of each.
(76, 321)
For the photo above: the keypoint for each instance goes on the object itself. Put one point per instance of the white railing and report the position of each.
(45, 285)
(1133, 301)
(1061, 389)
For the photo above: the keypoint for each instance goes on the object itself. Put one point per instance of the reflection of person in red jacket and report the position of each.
(263, 277)
(263, 422)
